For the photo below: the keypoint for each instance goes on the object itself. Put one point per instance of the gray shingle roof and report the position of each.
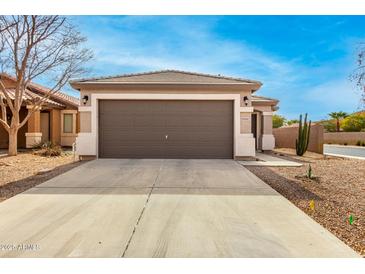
(169, 76)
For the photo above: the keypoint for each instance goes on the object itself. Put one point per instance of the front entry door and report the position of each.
(45, 126)
(254, 128)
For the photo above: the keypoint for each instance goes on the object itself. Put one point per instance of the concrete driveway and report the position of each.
(160, 208)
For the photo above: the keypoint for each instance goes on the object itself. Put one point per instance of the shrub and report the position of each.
(354, 123)
(277, 121)
(293, 121)
(358, 143)
(345, 144)
(329, 125)
(48, 149)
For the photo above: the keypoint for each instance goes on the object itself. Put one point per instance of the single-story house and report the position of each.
(56, 121)
(172, 114)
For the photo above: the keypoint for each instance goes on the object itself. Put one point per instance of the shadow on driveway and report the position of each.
(13, 188)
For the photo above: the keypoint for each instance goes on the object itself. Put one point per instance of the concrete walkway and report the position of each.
(160, 208)
(269, 160)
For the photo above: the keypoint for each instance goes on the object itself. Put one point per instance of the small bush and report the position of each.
(363, 144)
(329, 125)
(353, 123)
(48, 149)
(309, 172)
(358, 143)
(277, 121)
(345, 144)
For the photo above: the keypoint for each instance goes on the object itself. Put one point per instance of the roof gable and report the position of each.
(169, 76)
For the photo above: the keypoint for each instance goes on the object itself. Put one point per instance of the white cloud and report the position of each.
(130, 44)
(337, 95)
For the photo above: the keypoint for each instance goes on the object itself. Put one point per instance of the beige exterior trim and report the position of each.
(31, 107)
(246, 109)
(32, 139)
(87, 143)
(85, 108)
(160, 83)
(268, 142)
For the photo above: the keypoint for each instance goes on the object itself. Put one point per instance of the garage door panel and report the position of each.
(137, 129)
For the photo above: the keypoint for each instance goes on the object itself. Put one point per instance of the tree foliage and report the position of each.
(338, 116)
(329, 125)
(292, 121)
(277, 121)
(354, 122)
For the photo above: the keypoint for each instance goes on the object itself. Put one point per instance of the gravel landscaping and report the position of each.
(26, 170)
(337, 189)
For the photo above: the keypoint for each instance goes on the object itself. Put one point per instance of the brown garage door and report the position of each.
(165, 129)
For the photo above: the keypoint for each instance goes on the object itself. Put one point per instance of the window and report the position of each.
(67, 123)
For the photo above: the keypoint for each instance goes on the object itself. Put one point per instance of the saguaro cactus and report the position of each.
(301, 144)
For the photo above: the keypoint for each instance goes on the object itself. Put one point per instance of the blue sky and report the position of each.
(304, 61)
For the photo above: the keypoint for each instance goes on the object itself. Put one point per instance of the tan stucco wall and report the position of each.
(350, 138)
(85, 121)
(245, 122)
(285, 137)
(34, 122)
(267, 124)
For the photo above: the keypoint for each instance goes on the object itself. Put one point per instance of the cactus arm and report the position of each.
(309, 130)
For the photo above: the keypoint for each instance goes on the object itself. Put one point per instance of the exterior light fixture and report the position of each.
(85, 99)
(245, 100)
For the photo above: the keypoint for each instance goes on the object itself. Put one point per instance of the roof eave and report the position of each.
(78, 85)
(265, 102)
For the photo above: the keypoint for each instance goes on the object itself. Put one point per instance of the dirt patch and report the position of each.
(337, 192)
(24, 171)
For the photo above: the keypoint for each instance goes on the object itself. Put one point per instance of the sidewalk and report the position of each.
(269, 160)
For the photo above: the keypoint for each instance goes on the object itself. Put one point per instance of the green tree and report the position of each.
(354, 122)
(277, 121)
(293, 121)
(329, 125)
(338, 116)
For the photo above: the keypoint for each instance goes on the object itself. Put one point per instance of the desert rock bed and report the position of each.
(26, 170)
(338, 191)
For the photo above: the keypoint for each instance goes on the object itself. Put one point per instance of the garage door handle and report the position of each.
(166, 137)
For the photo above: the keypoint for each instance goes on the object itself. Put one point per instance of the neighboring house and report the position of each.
(173, 114)
(57, 121)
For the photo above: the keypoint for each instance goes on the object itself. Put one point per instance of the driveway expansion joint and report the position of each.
(142, 212)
